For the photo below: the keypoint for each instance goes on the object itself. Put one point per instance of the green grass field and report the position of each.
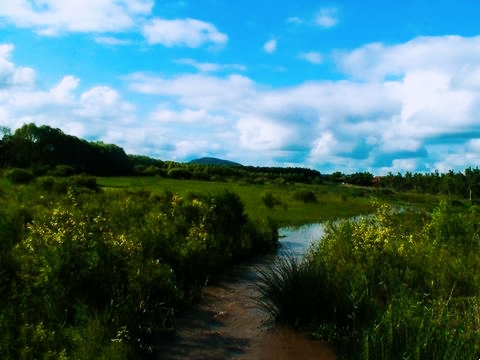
(333, 201)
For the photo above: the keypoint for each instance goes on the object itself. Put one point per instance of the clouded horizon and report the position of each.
(335, 86)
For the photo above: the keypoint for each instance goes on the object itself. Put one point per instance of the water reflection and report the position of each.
(297, 240)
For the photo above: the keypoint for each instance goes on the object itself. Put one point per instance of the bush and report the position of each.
(84, 181)
(307, 196)
(87, 274)
(19, 176)
(63, 170)
(387, 286)
(270, 200)
(180, 174)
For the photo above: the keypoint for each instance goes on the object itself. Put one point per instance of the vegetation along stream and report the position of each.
(229, 324)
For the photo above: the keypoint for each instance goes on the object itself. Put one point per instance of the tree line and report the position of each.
(464, 184)
(43, 149)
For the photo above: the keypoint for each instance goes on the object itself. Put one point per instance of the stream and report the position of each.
(228, 324)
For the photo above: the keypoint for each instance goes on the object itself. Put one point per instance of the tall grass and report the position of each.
(287, 207)
(388, 286)
(92, 274)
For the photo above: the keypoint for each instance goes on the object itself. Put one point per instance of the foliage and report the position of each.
(97, 274)
(333, 201)
(38, 146)
(465, 185)
(387, 286)
(305, 195)
(270, 200)
(19, 176)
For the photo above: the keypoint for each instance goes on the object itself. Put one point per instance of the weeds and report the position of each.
(388, 286)
(90, 274)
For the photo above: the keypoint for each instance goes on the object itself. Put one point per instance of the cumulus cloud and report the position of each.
(397, 119)
(186, 116)
(62, 91)
(110, 40)
(11, 75)
(327, 17)
(400, 107)
(184, 32)
(55, 17)
(210, 67)
(270, 46)
(443, 53)
(263, 134)
(312, 57)
(51, 17)
(90, 113)
(198, 90)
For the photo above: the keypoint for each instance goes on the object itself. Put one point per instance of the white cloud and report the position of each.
(401, 107)
(270, 46)
(55, 17)
(182, 32)
(313, 57)
(327, 17)
(294, 20)
(443, 53)
(198, 91)
(474, 145)
(110, 40)
(62, 91)
(263, 134)
(10, 75)
(210, 67)
(51, 17)
(323, 147)
(186, 116)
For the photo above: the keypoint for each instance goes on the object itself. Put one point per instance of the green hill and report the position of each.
(214, 161)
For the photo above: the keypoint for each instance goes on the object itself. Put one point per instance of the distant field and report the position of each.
(333, 201)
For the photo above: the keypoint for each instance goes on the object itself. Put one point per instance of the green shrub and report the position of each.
(270, 200)
(180, 174)
(83, 181)
(19, 176)
(305, 195)
(63, 170)
(98, 274)
(387, 286)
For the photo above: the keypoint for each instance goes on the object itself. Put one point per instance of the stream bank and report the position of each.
(229, 324)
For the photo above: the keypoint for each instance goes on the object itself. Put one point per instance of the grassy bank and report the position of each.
(389, 286)
(92, 274)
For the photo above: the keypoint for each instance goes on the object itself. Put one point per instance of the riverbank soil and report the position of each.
(228, 324)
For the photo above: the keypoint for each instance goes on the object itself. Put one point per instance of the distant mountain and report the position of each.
(214, 161)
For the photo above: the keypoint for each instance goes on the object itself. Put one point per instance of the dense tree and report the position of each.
(36, 146)
(466, 184)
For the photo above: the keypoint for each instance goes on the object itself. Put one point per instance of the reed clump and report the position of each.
(394, 285)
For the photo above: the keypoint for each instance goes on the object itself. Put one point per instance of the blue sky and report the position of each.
(336, 86)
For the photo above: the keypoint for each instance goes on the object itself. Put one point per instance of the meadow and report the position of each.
(283, 203)
(97, 267)
(92, 273)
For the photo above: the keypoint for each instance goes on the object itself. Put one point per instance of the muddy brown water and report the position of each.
(229, 324)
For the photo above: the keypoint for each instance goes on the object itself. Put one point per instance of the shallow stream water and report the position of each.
(228, 323)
